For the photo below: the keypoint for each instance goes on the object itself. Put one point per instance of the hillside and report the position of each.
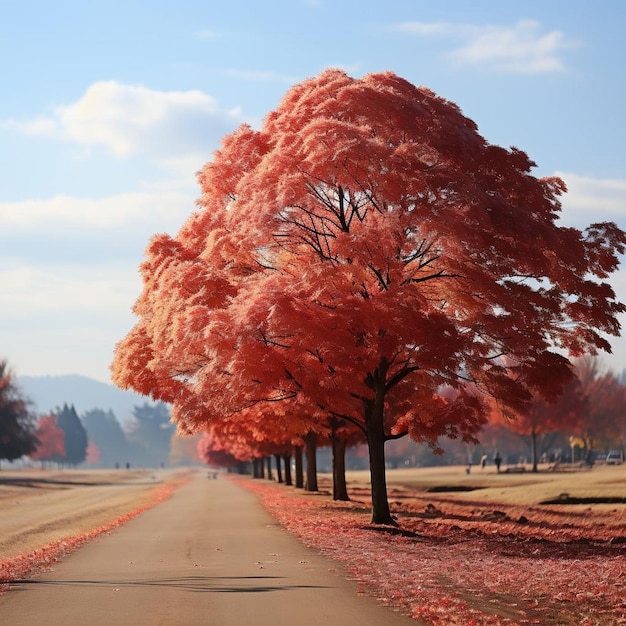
(49, 392)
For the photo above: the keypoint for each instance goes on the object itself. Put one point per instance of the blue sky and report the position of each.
(109, 108)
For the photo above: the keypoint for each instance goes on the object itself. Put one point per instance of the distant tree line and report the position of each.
(145, 441)
(588, 418)
(97, 438)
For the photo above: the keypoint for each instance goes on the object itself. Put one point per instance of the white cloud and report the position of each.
(43, 291)
(163, 210)
(65, 318)
(593, 199)
(131, 119)
(522, 48)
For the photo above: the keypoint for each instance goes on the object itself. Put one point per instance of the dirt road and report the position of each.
(210, 555)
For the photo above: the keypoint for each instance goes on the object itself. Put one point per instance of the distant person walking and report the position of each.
(498, 461)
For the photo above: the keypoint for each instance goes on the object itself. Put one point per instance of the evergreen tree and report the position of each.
(106, 432)
(75, 436)
(150, 432)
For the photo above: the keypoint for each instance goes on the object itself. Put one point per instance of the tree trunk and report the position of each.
(340, 488)
(533, 449)
(374, 420)
(297, 454)
(287, 462)
(310, 442)
(269, 468)
(279, 473)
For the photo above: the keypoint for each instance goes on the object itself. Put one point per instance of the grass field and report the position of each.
(40, 507)
(523, 488)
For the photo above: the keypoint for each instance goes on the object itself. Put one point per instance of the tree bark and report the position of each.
(340, 488)
(268, 460)
(279, 473)
(287, 463)
(310, 442)
(297, 454)
(533, 449)
(374, 420)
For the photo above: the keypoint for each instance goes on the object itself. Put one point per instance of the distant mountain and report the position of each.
(50, 392)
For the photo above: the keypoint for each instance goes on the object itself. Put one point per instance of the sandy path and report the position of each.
(210, 555)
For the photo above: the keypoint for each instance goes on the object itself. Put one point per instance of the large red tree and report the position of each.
(364, 249)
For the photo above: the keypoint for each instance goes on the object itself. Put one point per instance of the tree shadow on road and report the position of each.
(211, 584)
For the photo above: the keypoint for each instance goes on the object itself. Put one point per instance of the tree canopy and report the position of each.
(367, 254)
(17, 423)
(601, 411)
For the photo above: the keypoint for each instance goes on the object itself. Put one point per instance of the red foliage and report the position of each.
(210, 452)
(51, 439)
(448, 565)
(361, 251)
(601, 411)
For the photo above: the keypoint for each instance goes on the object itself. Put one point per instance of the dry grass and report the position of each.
(38, 508)
(522, 489)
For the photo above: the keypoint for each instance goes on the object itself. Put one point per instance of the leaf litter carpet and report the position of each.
(468, 564)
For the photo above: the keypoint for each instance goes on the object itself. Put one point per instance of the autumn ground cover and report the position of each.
(478, 549)
(45, 515)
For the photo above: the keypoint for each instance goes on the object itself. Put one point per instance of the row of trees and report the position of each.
(61, 438)
(591, 410)
(146, 440)
(366, 265)
(97, 437)
(589, 418)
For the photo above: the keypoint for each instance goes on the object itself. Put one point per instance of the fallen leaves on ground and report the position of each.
(469, 564)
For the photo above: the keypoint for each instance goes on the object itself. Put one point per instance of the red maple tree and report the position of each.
(363, 250)
(601, 412)
(51, 440)
(212, 453)
(542, 417)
